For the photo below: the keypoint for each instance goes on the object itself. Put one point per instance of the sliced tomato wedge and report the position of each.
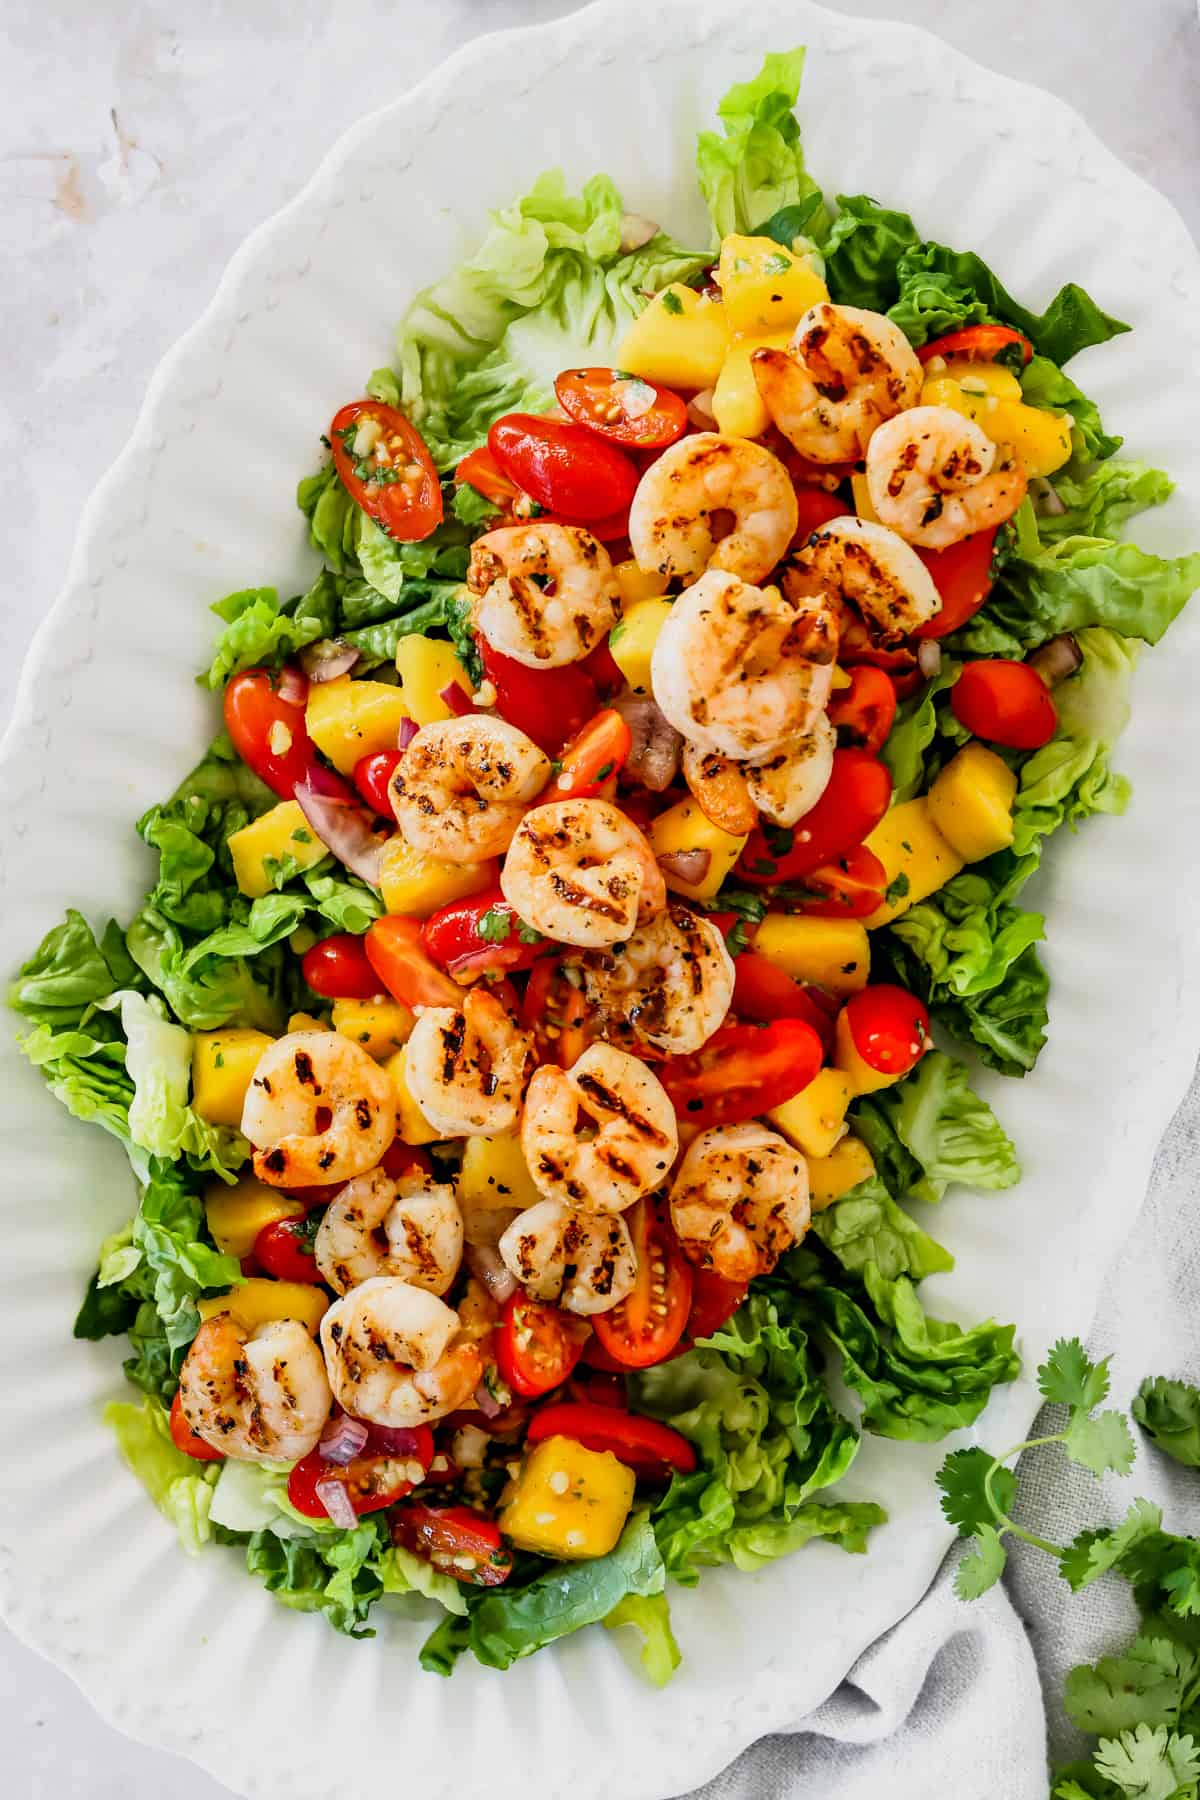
(715, 1299)
(284, 1249)
(455, 1539)
(763, 992)
(555, 1010)
(655, 1451)
(372, 1481)
(548, 705)
(398, 957)
(850, 887)
(536, 1345)
(402, 1159)
(864, 712)
(645, 1327)
(592, 757)
(858, 795)
(984, 342)
(393, 478)
(481, 471)
(742, 1071)
(623, 408)
(963, 577)
(185, 1439)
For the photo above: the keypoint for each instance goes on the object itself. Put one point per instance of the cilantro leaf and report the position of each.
(1069, 1378)
(1148, 1763)
(1145, 1685)
(1093, 1553)
(1183, 1586)
(983, 1568)
(964, 1501)
(1101, 1443)
(1169, 1412)
(495, 925)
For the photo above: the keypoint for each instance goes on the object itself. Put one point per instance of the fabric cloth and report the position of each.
(950, 1701)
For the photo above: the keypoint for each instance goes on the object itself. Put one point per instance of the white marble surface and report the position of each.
(139, 142)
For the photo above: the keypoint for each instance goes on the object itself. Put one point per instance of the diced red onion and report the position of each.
(408, 731)
(293, 686)
(656, 748)
(337, 1503)
(344, 826)
(1057, 659)
(700, 410)
(636, 232)
(328, 658)
(487, 1402)
(395, 1440)
(690, 866)
(488, 1266)
(636, 396)
(929, 657)
(1052, 504)
(455, 696)
(343, 1439)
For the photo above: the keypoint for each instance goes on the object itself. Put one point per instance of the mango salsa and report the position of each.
(280, 839)
(632, 642)
(382, 1026)
(567, 1501)
(412, 1127)
(832, 953)
(222, 1064)
(971, 801)
(685, 827)
(348, 719)
(916, 858)
(417, 885)
(237, 1214)
(991, 395)
(765, 287)
(494, 1174)
(258, 1302)
(680, 339)
(829, 1177)
(815, 1118)
(426, 666)
(738, 407)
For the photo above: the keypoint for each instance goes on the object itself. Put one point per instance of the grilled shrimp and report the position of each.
(719, 787)
(740, 1199)
(670, 986)
(397, 1355)
(462, 785)
(787, 785)
(700, 484)
(410, 1228)
(545, 594)
(582, 1261)
(741, 670)
(466, 1070)
(318, 1109)
(843, 373)
(257, 1396)
(600, 1134)
(936, 477)
(871, 568)
(580, 872)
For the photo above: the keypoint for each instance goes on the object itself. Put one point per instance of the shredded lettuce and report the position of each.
(756, 169)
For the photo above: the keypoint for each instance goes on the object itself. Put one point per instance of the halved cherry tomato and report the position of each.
(401, 1159)
(264, 715)
(402, 493)
(742, 1071)
(715, 1299)
(563, 466)
(858, 795)
(284, 1250)
(963, 577)
(185, 1439)
(481, 471)
(600, 667)
(455, 1539)
(652, 1449)
(763, 992)
(338, 969)
(595, 1356)
(377, 1478)
(623, 408)
(371, 777)
(645, 1327)
(857, 646)
(556, 1013)
(1005, 703)
(593, 755)
(849, 887)
(594, 1385)
(889, 1027)
(479, 936)
(816, 506)
(984, 342)
(863, 712)
(548, 705)
(537, 1346)
(398, 958)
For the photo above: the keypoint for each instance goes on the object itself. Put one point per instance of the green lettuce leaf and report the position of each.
(756, 169)
(260, 632)
(1043, 384)
(170, 1232)
(918, 721)
(1069, 778)
(650, 1617)
(866, 1226)
(948, 1130)
(180, 1487)
(1100, 503)
(1075, 582)
(335, 1574)
(863, 252)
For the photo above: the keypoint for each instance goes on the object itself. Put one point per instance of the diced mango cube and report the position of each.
(637, 584)
(381, 1026)
(495, 1174)
(426, 666)
(765, 287)
(237, 1214)
(916, 858)
(991, 395)
(862, 1078)
(862, 498)
(738, 407)
(685, 827)
(222, 1065)
(971, 802)
(681, 339)
(348, 719)
(977, 380)
(304, 1021)
(829, 1177)
(281, 839)
(412, 1127)
(259, 1301)
(632, 641)
(416, 885)
(567, 1501)
(832, 953)
(815, 1118)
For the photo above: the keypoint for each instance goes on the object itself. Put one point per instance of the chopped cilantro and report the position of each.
(777, 264)
(495, 925)
(896, 890)
(671, 302)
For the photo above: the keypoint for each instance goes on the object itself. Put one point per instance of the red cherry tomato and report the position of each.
(338, 969)
(481, 471)
(597, 1386)
(264, 715)
(742, 1071)
(284, 1250)
(645, 1327)
(600, 667)
(371, 777)
(1005, 703)
(983, 342)
(763, 992)
(850, 887)
(394, 481)
(548, 705)
(654, 1450)
(963, 577)
(816, 506)
(556, 1013)
(402, 1159)
(479, 936)
(715, 1299)
(455, 1539)
(564, 467)
(889, 1027)
(863, 712)
(185, 1439)
(383, 1474)
(399, 960)
(858, 795)
(623, 408)
(593, 756)
(537, 1346)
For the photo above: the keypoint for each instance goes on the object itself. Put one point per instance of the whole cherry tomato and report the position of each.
(863, 712)
(742, 1070)
(284, 1249)
(654, 1450)
(264, 715)
(715, 1299)
(399, 959)
(338, 969)
(963, 577)
(888, 1026)
(536, 1345)
(371, 777)
(645, 1327)
(564, 467)
(856, 798)
(479, 936)
(983, 342)
(1004, 703)
(185, 1439)
(548, 705)
(623, 408)
(385, 467)
(456, 1540)
(816, 506)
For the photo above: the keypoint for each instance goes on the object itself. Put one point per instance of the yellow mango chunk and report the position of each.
(427, 665)
(632, 641)
(303, 1021)
(417, 885)
(637, 584)
(916, 857)
(862, 1077)
(681, 339)
(259, 1301)
(281, 838)
(567, 1501)
(738, 407)
(494, 1173)
(815, 1118)
(684, 827)
(862, 498)
(764, 286)
(347, 719)
(382, 1026)
(832, 953)
(237, 1214)
(829, 1177)
(222, 1064)
(977, 380)
(991, 395)
(412, 1127)
(971, 801)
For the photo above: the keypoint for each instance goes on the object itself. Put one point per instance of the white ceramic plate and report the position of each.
(193, 1655)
